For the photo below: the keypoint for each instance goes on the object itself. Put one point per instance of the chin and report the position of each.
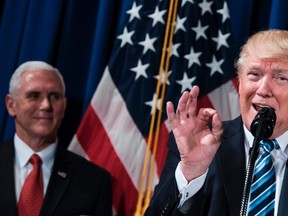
(247, 120)
(45, 133)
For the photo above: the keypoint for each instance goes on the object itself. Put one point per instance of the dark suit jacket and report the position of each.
(85, 190)
(222, 191)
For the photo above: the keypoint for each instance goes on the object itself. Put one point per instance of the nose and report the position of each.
(45, 104)
(264, 89)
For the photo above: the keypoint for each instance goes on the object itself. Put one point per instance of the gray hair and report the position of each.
(31, 65)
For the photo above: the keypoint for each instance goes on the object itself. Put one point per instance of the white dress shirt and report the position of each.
(22, 167)
(187, 190)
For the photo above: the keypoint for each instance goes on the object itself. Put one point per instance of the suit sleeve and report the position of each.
(166, 197)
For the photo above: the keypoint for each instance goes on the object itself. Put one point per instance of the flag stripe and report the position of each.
(96, 143)
(226, 101)
(101, 135)
(120, 178)
(116, 120)
(161, 149)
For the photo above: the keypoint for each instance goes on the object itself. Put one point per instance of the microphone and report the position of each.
(263, 124)
(262, 128)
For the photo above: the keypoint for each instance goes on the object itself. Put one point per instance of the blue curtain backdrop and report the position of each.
(77, 37)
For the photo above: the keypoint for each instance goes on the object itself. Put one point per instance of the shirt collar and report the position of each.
(23, 153)
(282, 140)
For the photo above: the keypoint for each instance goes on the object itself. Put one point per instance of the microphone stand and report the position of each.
(249, 173)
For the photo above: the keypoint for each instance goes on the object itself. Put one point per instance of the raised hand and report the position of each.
(196, 142)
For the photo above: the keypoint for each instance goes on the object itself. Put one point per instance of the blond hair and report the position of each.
(264, 44)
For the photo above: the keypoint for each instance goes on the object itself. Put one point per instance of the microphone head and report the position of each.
(264, 121)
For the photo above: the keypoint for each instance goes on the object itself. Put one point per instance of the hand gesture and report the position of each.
(196, 141)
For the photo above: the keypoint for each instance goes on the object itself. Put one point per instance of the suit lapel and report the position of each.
(60, 178)
(232, 163)
(283, 207)
(8, 203)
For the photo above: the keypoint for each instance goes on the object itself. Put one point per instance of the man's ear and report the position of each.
(10, 105)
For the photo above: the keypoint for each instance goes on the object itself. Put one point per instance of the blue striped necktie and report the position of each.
(262, 194)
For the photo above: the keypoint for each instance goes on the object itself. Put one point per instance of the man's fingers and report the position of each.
(206, 114)
(217, 127)
(170, 111)
(211, 115)
(191, 105)
(181, 112)
(186, 108)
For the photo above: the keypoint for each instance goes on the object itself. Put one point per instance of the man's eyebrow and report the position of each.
(280, 68)
(254, 65)
(56, 92)
(31, 92)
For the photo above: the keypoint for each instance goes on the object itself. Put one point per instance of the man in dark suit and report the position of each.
(206, 165)
(69, 184)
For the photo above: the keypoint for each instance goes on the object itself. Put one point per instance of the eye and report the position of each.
(282, 79)
(55, 96)
(33, 95)
(253, 75)
(280, 76)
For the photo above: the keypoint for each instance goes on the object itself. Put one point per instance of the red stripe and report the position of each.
(204, 102)
(96, 143)
(161, 147)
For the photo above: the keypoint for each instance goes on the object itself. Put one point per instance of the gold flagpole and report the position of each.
(140, 208)
(155, 146)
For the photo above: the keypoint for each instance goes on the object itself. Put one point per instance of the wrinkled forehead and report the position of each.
(267, 65)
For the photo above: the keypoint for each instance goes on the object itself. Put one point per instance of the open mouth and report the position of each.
(259, 107)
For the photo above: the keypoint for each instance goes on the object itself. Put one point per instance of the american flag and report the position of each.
(125, 128)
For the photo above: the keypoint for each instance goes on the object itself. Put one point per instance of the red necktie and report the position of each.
(31, 196)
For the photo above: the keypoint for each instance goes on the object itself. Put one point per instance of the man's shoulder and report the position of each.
(6, 147)
(82, 165)
(233, 126)
(236, 121)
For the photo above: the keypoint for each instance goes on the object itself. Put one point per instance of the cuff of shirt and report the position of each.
(186, 189)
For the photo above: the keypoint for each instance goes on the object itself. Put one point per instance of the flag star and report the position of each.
(180, 24)
(140, 70)
(205, 7)
(193, 57)
(224, 12)
(126, 37)
(157, 16)
(221, 39)
(134, 12)
(148, 43)
(200, 31)
(174, 50)
(164, 77)
(152, 103)
(184, 2)
(186, 82)
(215, 66)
